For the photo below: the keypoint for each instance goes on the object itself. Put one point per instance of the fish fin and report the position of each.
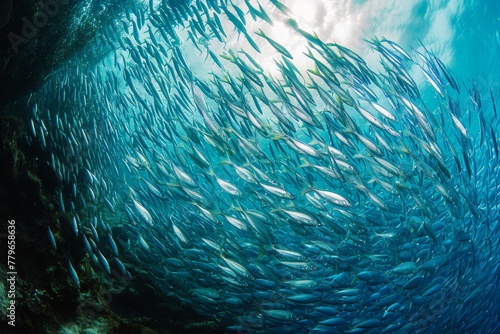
(307, 189)
(305, 164)
(278, 136)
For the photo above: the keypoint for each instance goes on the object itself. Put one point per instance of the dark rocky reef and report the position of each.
(38, 36)
(47, 301)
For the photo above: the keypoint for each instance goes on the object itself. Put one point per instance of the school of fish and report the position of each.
(342, 198)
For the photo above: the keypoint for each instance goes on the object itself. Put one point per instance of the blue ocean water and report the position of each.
(329, 166)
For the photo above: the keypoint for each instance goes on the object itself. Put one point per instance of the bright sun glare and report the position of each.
(305, 12)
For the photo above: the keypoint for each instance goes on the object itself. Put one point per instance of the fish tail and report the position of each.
(307, 190)
(261, 33)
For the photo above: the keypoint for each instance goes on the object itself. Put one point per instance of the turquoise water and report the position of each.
(463, 33)
(334, 172)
